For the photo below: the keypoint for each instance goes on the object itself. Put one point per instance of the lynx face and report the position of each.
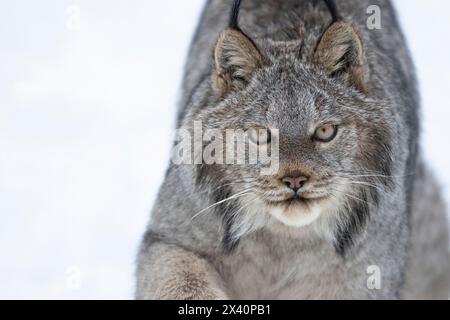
(319, 137)
(328, 136)
(333, 140)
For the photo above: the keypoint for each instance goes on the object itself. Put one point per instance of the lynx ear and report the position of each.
(235, 59)
(340, 52)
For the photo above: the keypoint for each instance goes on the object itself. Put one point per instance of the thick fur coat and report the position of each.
(367, 206)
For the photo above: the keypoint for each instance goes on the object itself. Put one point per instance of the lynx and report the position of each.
(351, 193)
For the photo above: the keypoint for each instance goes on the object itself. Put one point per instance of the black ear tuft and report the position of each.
(234, 18)
(236, 57)
(333, 10)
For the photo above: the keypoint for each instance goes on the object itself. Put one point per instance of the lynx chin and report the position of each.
(350, 189)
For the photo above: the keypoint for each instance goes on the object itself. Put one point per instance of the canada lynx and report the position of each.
(351, 192)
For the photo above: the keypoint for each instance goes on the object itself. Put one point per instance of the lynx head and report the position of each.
(333, 139)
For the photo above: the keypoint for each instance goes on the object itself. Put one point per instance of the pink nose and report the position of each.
(295, 183)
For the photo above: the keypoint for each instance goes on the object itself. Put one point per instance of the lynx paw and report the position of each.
(190, 288)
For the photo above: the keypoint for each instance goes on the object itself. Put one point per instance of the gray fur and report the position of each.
(393, 217)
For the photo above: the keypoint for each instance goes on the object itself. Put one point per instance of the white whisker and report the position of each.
(239, 194)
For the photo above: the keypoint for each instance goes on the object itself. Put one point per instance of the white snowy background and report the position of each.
(86, 116)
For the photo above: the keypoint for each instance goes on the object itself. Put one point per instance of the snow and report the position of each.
(86, 116)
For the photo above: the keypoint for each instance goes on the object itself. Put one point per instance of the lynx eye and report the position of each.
(326, 133)
(260, 136)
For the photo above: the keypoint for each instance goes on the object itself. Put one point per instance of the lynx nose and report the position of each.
(295, 183)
